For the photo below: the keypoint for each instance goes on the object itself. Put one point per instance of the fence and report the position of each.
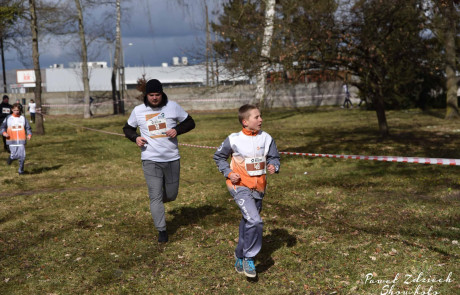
(201, 98)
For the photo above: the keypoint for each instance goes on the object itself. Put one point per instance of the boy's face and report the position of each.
(16, 111)
(254, 120)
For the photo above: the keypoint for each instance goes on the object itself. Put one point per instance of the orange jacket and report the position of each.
(17, 128)
(251, 153)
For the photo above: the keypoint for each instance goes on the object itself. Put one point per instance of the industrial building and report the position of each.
(58, 78)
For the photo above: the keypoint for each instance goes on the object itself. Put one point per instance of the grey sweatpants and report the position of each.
(163, 185)
(251, 225)
(18, 152)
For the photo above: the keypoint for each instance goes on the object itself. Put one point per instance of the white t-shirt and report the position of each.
(153, 123)
(32, 107)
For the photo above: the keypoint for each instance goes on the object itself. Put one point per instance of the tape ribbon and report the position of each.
(416, 160)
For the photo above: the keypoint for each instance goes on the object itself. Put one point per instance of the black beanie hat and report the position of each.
(153, 86)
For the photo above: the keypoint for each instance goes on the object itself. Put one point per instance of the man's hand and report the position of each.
(234, 178)
(171, 133)
(271, 168)
(140, 141)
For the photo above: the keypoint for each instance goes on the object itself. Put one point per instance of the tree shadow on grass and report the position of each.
(189, 215)
(272, 242)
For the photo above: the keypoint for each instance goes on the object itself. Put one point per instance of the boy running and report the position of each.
(15, 128)
(253, 152)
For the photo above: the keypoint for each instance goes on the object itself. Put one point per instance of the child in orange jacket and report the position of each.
(253, 153)
(16, 129)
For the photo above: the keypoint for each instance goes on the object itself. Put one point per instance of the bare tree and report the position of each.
(208, 41)
(265, 52)
(116, 61)
(89, 33)
(39, 127)
(9, 12)
(208, 57)
(84, 57)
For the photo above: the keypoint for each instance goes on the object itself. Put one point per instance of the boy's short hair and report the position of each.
(243, 111)
(17, 105)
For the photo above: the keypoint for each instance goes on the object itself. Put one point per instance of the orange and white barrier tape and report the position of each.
(416, 160)
(199, 146)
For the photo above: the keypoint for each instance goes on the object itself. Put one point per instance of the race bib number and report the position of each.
(156, 124)
(17, 127)
(255, 166)
(5, 110)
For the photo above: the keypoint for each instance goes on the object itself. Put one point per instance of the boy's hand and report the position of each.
(234, 178)
(29, 136)
(271, 168)
(5, 134)
(140, 141)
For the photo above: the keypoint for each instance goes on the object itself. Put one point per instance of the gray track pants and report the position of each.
(163, 184)
(18, 152)
(251, 225)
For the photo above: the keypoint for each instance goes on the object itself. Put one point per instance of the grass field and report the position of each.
(78, 222)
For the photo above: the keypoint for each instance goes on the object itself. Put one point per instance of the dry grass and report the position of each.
(79, 223)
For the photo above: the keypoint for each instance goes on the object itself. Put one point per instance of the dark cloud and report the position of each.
(156, 29)
(158, 19)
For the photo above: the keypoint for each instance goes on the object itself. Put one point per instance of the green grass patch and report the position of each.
(78, 222)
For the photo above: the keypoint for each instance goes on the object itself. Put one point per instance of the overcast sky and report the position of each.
(153, 32)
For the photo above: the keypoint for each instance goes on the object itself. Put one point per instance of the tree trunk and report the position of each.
(84, 59)
(5, 90)
(265, 52)
(39, 126)
(116, 61)
(115, 93)
(122, 77)
(452, 111)
(381, 116)
(207, 43)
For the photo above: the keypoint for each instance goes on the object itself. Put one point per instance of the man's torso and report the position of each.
(153, 124)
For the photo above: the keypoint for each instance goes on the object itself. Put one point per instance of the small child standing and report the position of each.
(253, 152)
(32, 108)
(15, 128)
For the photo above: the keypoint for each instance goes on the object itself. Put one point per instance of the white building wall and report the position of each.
(69, 79)
(167, 75)
(63, 80)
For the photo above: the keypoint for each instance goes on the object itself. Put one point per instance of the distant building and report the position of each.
(69, 79)
(57, 78)
(25, 81)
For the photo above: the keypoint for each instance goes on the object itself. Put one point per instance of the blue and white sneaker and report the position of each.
(239, 264)
(249, 268)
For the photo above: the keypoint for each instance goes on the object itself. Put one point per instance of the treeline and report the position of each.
(398, 53)
(77, 24)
